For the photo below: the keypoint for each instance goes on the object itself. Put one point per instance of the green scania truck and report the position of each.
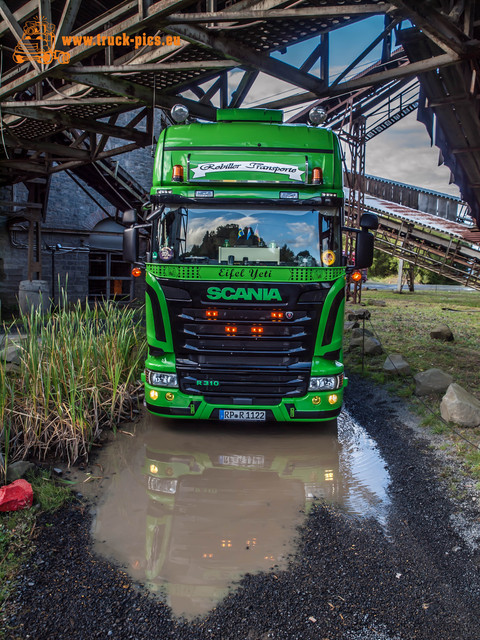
(245, 276)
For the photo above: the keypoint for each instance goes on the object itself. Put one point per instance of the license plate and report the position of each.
(242, 461)
(242, 414)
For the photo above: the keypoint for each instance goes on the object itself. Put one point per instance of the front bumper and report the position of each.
(173, 403)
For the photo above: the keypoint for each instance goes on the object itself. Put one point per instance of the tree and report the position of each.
(383, 265)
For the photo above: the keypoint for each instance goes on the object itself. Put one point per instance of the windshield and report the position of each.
(291, 237)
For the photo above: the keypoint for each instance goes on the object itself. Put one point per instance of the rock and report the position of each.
(358, 314)
(432, 381)
(442, 332)
(358, 338)
(459, 406)
(377, 303)
(372, 346)
(350, 325)
(18, 470)
(358, 333)
(11, 353)
(396, 365)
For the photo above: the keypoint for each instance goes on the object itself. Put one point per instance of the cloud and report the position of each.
(403, 153)
(198, 226)
(300, 235)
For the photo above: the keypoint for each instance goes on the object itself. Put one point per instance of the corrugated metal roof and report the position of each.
(448, 196)
(435, 223)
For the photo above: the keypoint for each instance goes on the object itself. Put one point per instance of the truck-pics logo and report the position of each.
(38, 42)
(229, 293)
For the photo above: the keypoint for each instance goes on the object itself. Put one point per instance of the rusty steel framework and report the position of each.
(61, 106)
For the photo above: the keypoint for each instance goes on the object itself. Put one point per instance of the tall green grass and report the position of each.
(78, 374)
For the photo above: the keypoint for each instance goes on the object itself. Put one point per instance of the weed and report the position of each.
(78, 375)
(48, 492)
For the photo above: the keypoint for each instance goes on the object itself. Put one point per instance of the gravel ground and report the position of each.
(348, 580)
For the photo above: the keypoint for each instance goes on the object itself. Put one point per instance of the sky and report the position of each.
(403, 152)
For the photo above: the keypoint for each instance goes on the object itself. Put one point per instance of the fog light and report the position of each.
(333, 398)
(316, 400)
(153, 468)
(169, 396)
(153, 394)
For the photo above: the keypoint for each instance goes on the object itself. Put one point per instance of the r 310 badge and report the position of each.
(208, 383)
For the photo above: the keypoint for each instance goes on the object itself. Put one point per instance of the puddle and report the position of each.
(188, 508)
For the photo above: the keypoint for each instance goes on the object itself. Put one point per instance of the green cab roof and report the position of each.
(249, 115)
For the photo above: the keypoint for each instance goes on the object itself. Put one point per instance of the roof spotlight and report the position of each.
(317, 115)
(179, 112)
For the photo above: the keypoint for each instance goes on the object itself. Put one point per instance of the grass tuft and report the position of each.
(78, 374)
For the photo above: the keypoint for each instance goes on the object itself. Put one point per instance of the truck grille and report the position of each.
(221, 386)
(244, 365)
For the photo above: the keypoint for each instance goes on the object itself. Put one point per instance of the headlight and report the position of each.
(165, 485)
(158, 379)
(326, 383)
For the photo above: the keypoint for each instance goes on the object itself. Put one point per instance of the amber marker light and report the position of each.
(256, 330)
(317, 176)
(177, 173)
(356, 276)
(136, 272)
(277, 315)
(230, 330)
(211, 313)
(153, 394)
(333, 398)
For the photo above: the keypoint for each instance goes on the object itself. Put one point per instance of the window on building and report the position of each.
(109, 276)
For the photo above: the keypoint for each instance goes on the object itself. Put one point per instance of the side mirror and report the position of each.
(369, 221)
(130, 245)
(364, 250)
(129, 217)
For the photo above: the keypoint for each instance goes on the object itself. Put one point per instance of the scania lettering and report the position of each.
(214, 293)
(245, 274)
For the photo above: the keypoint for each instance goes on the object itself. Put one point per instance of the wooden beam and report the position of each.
(137, 92)
(71, 164)
(157, 67)
(46, 147)
(16, 30)
(232, 49)
(240, 93)
(70, 122)
(247, 15)
(365, 52)
(412, 69)
(128, 26)
(23, 165)
(67, 21)
(436, 26)
(25, 11)
(73, 102)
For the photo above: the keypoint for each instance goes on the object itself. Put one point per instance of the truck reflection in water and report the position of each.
(218, 505)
